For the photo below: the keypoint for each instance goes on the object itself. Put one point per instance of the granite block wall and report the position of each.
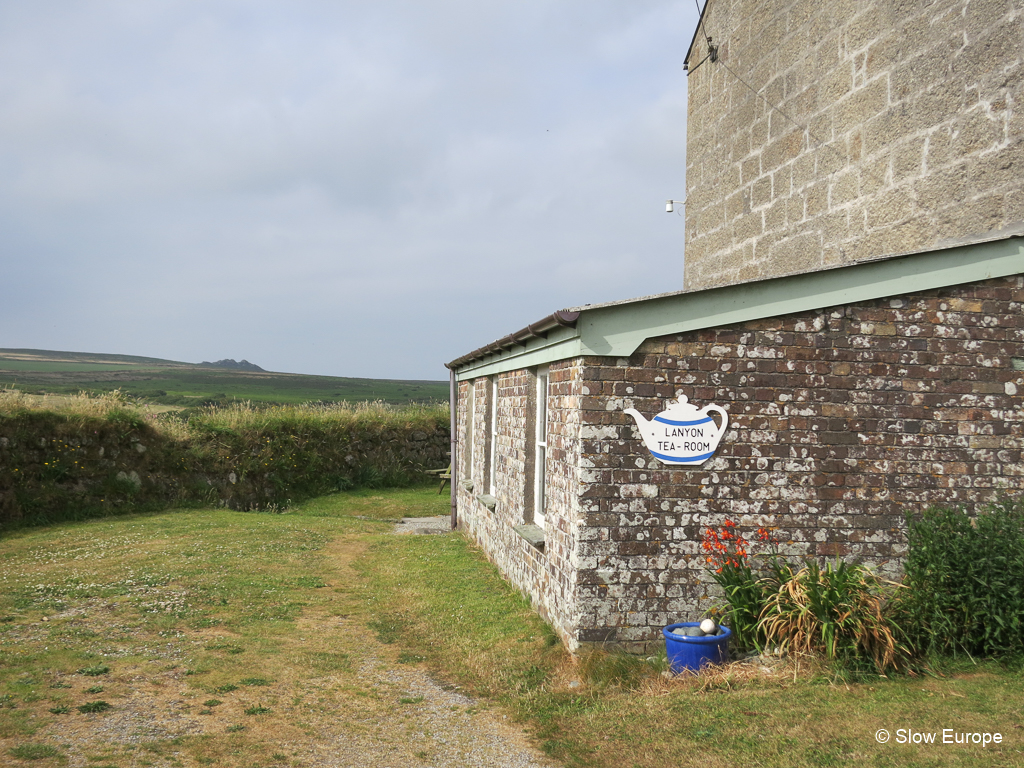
(833, 132)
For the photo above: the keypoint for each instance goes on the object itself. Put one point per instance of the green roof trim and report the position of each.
(618, 328)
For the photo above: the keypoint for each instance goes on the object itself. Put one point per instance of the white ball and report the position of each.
(708, 627)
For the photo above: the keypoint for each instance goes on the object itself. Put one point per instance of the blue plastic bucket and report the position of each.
(692, 653)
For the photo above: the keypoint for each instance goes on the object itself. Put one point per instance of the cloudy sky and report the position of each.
(323, 186)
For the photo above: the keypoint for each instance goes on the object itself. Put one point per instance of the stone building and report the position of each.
(854, 285)
(877, 127)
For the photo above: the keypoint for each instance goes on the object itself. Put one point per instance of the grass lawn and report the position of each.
(225, 638)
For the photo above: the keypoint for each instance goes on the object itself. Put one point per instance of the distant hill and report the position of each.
(171, 382)
(243, 365)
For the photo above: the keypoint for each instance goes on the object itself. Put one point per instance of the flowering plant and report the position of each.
(747, 590)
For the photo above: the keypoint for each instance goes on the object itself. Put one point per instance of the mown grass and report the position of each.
(150, 622)
(205, 615)
(441, 600)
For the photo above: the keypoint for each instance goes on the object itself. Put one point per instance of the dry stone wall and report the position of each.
(55, 466)
(897, 126)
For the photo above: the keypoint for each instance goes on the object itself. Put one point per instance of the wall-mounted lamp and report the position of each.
(670, 203)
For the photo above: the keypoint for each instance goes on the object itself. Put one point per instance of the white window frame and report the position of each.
(492, 438)
(540, 453)
(470, 417)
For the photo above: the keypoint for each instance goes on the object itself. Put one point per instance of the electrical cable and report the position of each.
(712, 50)
(700, 20)
(820, 144)
(776, 107)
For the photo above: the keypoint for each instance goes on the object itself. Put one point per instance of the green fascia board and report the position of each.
(619, 328)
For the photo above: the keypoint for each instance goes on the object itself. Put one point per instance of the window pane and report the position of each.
(470, 415)
(540, 467)
(492, 437)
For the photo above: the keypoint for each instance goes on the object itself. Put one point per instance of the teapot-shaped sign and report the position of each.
(682, 434)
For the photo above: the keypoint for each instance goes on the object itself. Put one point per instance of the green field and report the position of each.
(171, 382)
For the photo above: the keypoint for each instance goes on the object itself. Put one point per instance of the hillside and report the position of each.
(172, 382)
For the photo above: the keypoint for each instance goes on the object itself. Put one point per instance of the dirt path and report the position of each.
(333, 697)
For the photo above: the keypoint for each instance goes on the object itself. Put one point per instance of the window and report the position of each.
(540, 446)
(470, 416)
(492, 437)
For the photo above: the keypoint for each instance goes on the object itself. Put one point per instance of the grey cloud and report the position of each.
(332, 187)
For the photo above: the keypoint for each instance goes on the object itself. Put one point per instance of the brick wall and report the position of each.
(915, 132)
(840, 421)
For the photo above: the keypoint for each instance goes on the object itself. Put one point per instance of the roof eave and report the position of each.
(696, 32)
(563, 318)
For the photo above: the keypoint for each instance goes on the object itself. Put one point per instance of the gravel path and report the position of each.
(424, 525)
(370, 713)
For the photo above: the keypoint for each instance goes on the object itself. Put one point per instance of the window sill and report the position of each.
(533, 534)
(467, 484)
(487, 500)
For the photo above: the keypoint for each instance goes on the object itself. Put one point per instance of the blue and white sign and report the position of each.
(682, 434)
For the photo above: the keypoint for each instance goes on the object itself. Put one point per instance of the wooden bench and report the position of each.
(444, 474)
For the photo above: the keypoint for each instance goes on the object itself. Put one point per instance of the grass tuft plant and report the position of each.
(254, 681)
(95, 670)
(34, 751)
(838, 612)
(94, 706)
(602, 668)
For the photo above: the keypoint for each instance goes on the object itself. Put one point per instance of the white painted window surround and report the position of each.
(492, 438)
(541, 448)
(470, 416)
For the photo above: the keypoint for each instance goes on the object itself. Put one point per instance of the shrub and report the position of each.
(965, 581)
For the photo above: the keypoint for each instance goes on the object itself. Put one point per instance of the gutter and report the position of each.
(563, 318)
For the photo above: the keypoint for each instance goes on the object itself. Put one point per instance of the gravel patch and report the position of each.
(424, 525)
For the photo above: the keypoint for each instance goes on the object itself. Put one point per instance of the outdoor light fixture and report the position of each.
(670, 203)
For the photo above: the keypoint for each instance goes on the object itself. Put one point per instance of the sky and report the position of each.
(366, 189)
